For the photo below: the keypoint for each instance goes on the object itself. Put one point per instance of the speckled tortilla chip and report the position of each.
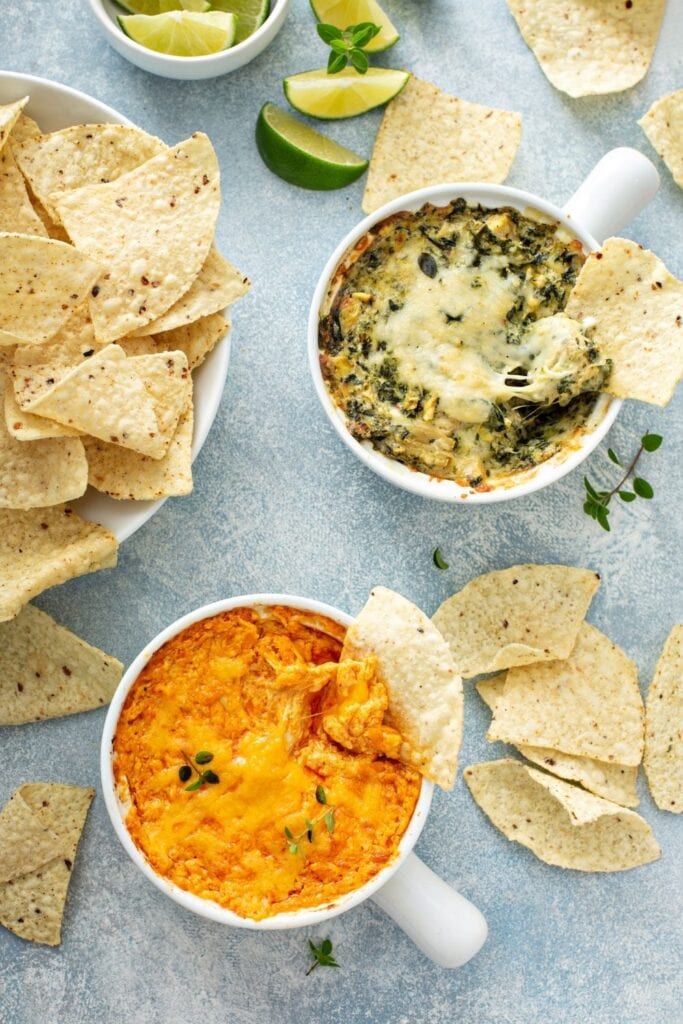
(35, 369)
(42, 282)
(16, 212)
(663, 125)
(633, 308)
(84, 154)
(9, 115)
(32, 902)
(196, 340)
(560, 823)
(46, 671)
(41, 548)
(588, 704)
(663, 761)
(127, 475)
(615, 782)
(25, 842)
(24, 128)
(151, 228)
(427, 137)
(24, 426)
(424, 688)
(516, 616)
(218, 285)
(588, 47)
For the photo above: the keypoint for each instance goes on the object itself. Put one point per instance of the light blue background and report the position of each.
(280, 504)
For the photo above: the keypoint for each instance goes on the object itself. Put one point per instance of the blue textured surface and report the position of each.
(280, 504)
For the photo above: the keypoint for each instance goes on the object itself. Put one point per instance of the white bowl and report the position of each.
(615, 191)
(443, 923)
(187, 68)
(56, 106)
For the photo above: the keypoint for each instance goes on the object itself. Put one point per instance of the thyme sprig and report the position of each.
(322, 955)
(348, 45)
(308, 832)
(438, 559)
(187, 770)
(596, 503)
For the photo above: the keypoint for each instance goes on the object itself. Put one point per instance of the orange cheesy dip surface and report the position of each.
(288, 725)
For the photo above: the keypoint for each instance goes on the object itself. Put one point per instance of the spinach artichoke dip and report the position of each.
(442, 339)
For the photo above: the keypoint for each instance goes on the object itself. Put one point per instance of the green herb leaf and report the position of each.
(336, 63)
(328, 32)
(651, 442)
(359, 61)
(613, 456)
(589, 488)
(326, 947)
(322, 955)
(362, 34)
(184, 773)
(210, 777)
(339, 46)
(289, 834)
(293, 847)
(626, 496)
(642, 488)
(195, 785)
(329, 821)
(602, 517)
(320, 795)
(438, 559)
(203, 757)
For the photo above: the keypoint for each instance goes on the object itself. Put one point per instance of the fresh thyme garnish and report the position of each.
(438, 559)
(597, 502)
(347, 46)
(322, 955)
(309, 831)
(186, 771)
(320, 795)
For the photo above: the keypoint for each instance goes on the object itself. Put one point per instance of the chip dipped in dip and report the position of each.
(259, 762)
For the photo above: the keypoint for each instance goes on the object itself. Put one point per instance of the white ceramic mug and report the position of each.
(614, 192)
(445, 925)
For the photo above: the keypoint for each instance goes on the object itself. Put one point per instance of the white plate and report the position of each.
(56, 106)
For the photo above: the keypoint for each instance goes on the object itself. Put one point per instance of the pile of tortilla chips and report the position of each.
(111, 293)
(568, 700)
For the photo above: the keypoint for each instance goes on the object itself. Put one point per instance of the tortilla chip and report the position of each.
(634, 312)
(35, 369)
(31, 845)
(42, 282)
(560, 823)
(151, 229)
(9, 115)
(663, 761)
(663, 125)
(85, 154)
(40, 548)
(590, 47)
(126, 475)
(46, 671)
(516, 616)
(424, 688)
(218, 285)
(32, 902)
(24, 426)
(168, 382)
(588, 704)
(16, 212)
(196, 340)
(427, 137)
(24, 128)
(615, 782)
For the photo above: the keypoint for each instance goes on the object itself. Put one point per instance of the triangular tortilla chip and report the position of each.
(35, 369)
(168, 382)
(24, 128)
(424, 688)
(588, 47)
(32, 903)
(663, 125)
(9, 115)
(25, 842)
(196, 340)
(663, 760)
(24, 426)
(217, 285)
(516, 616)
(40, 548)
(151, 229)
(16, 212)
(46, 671)
(560, 823)
(633, 311)
(42, 282)
(427, 137)
(84, 154)
(588, 704)
(615, 782)
(127, 475)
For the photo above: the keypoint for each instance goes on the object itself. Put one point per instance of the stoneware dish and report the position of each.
(614, 192)
(445, 925)
(56, 106)
(187, 68)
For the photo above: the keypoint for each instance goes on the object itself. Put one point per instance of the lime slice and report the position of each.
(342, 13)
(301, 155)
(182, 33)
(343, 95)
(163, 6)
(250, 14)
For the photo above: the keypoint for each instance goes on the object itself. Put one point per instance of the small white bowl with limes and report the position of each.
(189, 39)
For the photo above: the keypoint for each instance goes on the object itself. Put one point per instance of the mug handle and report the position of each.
(442, 923)
(616, 190)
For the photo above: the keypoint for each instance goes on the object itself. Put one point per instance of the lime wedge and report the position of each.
(250, 14)
(301, 155)
(342, 13)
(163, 6)
(182, 33)
(343, 95)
